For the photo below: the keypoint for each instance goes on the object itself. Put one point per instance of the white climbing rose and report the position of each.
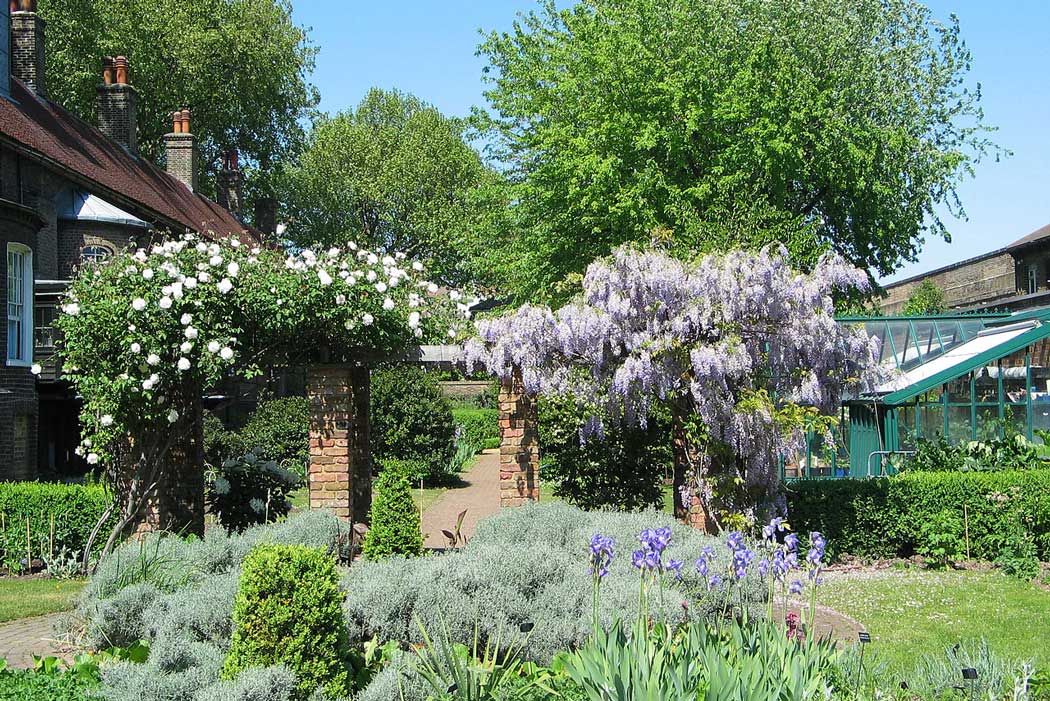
(153, 359)
(367, 319)
(184, 364)
(214, 346)
(138, 304)
(226, 354)
(106, 420)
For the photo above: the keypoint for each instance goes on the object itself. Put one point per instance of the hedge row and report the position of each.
(881, 518)
(478, 426)
(75, 508)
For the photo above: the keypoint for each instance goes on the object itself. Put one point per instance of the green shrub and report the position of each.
(279, 430)
(75, 510)
(883, 518)
(412, 470)
(248, 491)
(220, 444)
(51, 686)
(624, 469)
(478, 426)
(1012, 451)
(411, 419)
(395, 527)
(288, 612)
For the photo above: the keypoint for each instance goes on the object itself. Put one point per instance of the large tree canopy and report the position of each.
(241, 65)
(398, 175)
(820, 124)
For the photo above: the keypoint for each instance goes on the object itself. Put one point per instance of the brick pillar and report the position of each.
(177, 505)
(519, 452)
(340, 465)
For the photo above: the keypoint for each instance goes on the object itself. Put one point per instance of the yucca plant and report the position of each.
(480, 672)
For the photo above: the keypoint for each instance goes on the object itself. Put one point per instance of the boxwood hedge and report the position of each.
(75, 508)
(883, 518)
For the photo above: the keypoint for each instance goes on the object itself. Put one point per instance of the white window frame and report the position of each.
(23, 356)
(1033, 278)
(107, 253)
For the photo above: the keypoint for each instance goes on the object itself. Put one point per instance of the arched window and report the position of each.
(95, 254)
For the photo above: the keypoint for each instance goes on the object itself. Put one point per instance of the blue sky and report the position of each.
(427, 47)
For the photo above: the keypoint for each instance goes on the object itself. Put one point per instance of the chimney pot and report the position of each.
(120, 64)
(108, 71)
(186, 122)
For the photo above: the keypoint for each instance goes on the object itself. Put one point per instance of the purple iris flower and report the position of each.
(795, 588)
(707, 552)
(741, 560)
(780, 564)
(735, 541)
(701, 566)
(715, 582)
(763, 568)
(602, 553)
(791, 541)
(655, 539)
(638, 558)
(676, 567)
(792, 560)
(813, 556)
(775, 526)
(817, 541)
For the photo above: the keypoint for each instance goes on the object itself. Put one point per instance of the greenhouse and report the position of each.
(965, 377)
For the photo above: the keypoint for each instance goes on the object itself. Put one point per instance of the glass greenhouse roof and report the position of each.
(907, 342)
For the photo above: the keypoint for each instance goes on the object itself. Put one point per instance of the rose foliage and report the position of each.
(146, 333)
(744, 351)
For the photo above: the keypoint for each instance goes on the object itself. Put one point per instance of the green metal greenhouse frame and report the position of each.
(964, 377)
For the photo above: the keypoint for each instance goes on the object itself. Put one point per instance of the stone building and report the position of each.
(72, 192)
(1011, 278)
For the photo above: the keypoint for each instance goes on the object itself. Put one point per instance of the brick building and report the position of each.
(1011, 278)
(72, 192)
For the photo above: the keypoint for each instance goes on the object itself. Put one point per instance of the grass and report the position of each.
(25, 597)
(913, 612)
(301, 497)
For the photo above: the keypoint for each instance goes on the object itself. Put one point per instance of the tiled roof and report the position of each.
(82, 150)
(1036, 235)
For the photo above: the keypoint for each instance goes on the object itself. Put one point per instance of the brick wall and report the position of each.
(984, 281)
(27, 50)
(519, 468)
(340, 474)
(73, 236)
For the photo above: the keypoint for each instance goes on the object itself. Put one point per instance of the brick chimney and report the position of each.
(182, 150)
(230, 182)
(27, 45)
(266, 215)
(5, 49)
(118, 104)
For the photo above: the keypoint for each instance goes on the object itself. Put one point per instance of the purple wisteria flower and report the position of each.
(602, 553)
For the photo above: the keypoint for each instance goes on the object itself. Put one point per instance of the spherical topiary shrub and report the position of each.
(411, 419)
(288, 612)
(395, 527)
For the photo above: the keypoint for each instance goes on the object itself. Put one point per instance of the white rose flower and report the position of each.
(454, 295)
(367, 319)
(388, 261)
(186, 319)
(165, 302)
(224, 285)
(215, 260)
(214, 346)
(388, 304)
(432, 288)
(176, 290)
(419, 333)
(413, 320)
(138, 304)
(380, 287)
(340, 299)
(72, 309)
(451, 333)
(371, 276)
(190, 333)
(106, 420)
(232, 269)
(186, 347)
(373, 259)
(136, 348)
(147, 274)
(204, 276)
(92, 458)
(36, 369)
(226, 354)
(324, 277)
(235, 243)
(153, 359)
(173, 416)
(417, 266)
(190, 283)
(184, 364)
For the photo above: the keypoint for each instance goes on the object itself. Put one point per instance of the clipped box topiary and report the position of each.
(395, 526)
(288, 612)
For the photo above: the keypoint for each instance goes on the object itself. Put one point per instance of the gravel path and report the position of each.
(480, 498)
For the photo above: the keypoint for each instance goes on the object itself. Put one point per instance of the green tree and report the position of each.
(395, 174)
(242, 66)
(707, 124)
(926, 299)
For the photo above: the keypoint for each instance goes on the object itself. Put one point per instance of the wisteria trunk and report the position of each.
(690, 504)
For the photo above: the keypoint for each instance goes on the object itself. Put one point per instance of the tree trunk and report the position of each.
(690, 493)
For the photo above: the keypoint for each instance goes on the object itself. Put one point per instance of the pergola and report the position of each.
(340, 471)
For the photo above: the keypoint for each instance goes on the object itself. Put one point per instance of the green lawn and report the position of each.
(26, 597)
(301, 498)
(913, 612)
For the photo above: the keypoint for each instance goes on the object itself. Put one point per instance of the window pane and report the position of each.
(959, 390)
(1016, 418)
(986, 385)
(931, 420)
(906, 428)
(959, 427)
(987, 423)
